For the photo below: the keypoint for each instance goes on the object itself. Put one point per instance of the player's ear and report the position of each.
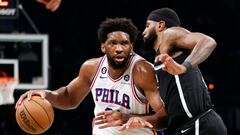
(103, 48)
(132, 47)
(161, 25)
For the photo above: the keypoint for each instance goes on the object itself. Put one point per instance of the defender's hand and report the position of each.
(171, 66)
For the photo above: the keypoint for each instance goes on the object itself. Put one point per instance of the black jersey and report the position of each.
(185, 96)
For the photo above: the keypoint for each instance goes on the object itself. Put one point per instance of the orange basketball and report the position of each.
(35, 116)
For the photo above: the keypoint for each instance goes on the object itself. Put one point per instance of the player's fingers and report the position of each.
(142, 122)
(97, 118)
(148, 124)
(104, 126)
(23, 96)
(137, 123)
(157, 59)
(108, 112)
(99, 122)
(16, 105)
(42, 95)
(169, 60)
(42, 1)
(53, 5)
(101, 113)
(129, 123)
(121, 128)
(104, 113)
(101, 117)
(164, 68)
(29, 95)
(162, 57)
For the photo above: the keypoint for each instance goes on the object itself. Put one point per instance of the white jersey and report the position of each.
(118, 94)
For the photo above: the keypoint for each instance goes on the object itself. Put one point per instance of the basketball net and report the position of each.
(7, 85)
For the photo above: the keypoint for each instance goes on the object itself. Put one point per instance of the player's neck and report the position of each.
(116, 73)
(158, 42)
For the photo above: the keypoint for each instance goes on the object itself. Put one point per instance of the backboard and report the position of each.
(31, 52)
(9, 68)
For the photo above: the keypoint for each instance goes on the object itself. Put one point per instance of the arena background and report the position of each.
(73, 39)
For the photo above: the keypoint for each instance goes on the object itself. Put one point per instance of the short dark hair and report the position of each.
(168, 15)
(117, 24)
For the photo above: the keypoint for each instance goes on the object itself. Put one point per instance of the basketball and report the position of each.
(35, 116)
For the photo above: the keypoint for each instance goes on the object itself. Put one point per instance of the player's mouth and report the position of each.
(119, 59)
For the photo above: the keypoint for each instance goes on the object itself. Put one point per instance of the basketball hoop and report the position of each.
(7, 85)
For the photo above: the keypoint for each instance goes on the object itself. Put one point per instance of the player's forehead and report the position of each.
(150, 22)
(118, 35)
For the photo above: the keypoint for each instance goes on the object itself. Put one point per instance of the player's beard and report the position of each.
(148, 42)
(116, 65)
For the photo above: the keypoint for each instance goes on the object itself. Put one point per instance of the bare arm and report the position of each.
(70, 96)
(145, 80)
(200, 44)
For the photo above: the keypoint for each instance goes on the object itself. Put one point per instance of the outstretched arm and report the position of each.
(70, 96)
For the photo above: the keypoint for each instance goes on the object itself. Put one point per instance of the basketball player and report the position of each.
(182, 86)
(52, 5)
(121, 80)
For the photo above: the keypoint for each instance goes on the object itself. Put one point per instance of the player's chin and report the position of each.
(119, 64)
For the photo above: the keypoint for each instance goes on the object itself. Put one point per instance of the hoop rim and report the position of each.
(7, 80)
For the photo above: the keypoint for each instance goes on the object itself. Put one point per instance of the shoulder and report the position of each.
(92, 62)
(90, 66)
(144, 76)
(175, 33)
(143, 67)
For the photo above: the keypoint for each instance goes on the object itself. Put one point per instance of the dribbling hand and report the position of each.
(29, 94)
